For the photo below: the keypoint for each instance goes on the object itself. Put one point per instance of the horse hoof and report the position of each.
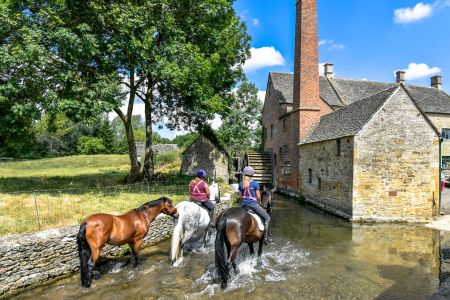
(95, 275)
(223, 285)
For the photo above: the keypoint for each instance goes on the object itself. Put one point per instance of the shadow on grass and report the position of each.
(81, 184)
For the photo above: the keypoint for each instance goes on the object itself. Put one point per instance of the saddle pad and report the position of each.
(258, 220)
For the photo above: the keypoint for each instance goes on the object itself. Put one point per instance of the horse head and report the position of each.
(168, 207)
(266, 198)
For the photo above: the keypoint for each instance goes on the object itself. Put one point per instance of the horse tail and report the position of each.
(84, 252)
(220, 259)
(177, 236)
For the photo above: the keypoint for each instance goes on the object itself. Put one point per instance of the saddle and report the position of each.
(199, 204)
(258, 220)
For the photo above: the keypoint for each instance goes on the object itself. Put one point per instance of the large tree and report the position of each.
(181, 58)
(241, 125)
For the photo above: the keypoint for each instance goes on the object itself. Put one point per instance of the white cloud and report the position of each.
(255, 22)
(415, 71)
(261, 96)
(415, 14)
(263, 57)
(321, 69)
(331, 44)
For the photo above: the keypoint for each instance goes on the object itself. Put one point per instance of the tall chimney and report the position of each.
(400, 76)
(306, 97)
(436, 82)
(328, 70)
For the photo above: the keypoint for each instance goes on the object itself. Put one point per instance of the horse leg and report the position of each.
(232, 257)
(135, 247)
(252, 250)
(260, 246)
(94, 258)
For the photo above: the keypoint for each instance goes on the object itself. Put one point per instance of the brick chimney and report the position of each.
(306, 69)
(400, 76)
(436, 82)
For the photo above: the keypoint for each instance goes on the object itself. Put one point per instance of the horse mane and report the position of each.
(152, 203)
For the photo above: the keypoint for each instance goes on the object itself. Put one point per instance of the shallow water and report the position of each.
(315, 256)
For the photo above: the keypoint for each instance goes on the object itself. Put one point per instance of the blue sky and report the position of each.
(363, 39)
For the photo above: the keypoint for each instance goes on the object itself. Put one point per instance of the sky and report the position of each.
(364, 39)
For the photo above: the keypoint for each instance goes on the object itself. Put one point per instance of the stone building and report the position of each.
(391, 173)
(205, 153)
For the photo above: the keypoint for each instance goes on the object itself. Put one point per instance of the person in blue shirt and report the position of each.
(251, 197)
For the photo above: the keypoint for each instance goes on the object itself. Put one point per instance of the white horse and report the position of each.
(191, 226)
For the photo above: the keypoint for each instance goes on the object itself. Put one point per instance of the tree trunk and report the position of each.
(134, 174)
(149, 166)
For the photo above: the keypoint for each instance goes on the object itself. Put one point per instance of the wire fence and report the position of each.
(31, 211)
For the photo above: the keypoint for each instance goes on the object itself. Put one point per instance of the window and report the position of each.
(445, 162)
(338, 147)
(283, 151)
(309, 176)
(287, 168)
(271, 131)
(284, 124)
(446, 133)
(265, 133)
(319, 183)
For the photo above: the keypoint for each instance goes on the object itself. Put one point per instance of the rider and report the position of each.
(199, 193)
(251, 197)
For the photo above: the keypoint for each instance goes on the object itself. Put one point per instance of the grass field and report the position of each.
(67, 189)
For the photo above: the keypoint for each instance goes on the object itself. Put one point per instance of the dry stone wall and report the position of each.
(34, 258)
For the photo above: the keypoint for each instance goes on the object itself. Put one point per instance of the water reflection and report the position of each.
(315, 256)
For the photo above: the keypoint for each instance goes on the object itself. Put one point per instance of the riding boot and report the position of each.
(211, 219)
(267, 238)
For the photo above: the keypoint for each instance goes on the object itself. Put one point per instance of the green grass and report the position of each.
(67, 189)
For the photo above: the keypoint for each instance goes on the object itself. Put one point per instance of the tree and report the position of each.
(185, 140)
(183, 58)
(241, 126)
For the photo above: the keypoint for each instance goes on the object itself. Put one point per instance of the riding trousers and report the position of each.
(257, 209)
(206, 204)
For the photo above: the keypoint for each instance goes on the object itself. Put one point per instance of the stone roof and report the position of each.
(349, 120)
(339, 92)
(283, 84)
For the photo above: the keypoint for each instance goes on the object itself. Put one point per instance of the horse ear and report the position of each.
(273, 190)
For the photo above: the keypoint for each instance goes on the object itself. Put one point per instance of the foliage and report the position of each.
(90, 145)
(241, 126)
(185, 140)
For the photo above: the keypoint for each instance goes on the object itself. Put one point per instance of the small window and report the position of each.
(309, 176)
(287, 168)
(338, 147)
(446, 133)
(271, 131)
(319, 183)
(281, 152)
(265, 133)
(445, 162)
(284, 124)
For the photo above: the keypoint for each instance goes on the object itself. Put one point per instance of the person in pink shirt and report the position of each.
(199, 193)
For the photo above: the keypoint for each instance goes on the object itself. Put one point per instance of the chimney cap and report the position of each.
(328, 70)
(436, 81)
(400, 76)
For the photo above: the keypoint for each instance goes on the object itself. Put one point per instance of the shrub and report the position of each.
(90, 145)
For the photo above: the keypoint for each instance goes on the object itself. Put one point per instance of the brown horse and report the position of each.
(237, 226)
(130, 228)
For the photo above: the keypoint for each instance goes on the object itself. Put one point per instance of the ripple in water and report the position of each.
(276, 264)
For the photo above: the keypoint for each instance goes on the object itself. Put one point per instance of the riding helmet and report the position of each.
(201, 173)
(248, 171)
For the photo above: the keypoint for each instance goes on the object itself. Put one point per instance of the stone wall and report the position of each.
(203, 154)
(35, 258)
(140, 148)
(335, 173)
(396, 165)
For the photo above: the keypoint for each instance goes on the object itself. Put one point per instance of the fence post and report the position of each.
(37, 211)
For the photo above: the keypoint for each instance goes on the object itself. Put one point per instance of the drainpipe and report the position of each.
(440, 176)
